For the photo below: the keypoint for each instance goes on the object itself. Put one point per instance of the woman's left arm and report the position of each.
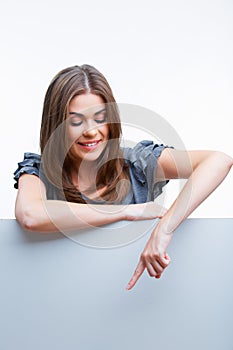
(205, 170)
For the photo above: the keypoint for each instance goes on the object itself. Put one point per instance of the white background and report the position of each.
(173, 57)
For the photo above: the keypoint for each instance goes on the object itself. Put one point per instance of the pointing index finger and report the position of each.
(137, 274)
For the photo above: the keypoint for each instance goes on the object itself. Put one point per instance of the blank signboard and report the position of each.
(60, 293)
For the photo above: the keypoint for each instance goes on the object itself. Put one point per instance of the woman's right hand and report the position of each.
(145, 211)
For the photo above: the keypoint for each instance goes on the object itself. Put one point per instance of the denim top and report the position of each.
(142, 163)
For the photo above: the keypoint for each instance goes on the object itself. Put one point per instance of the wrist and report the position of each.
(164, 227)
(129, 212)
(161, 237)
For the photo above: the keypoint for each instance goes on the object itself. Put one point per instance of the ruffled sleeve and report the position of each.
(30, 165)
(142, 160)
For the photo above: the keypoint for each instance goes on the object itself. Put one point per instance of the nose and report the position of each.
(90, 129)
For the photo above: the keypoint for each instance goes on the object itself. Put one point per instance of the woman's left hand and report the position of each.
(154, 257)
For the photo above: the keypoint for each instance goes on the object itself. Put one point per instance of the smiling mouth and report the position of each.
(89, 144)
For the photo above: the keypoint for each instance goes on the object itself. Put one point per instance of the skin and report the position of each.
(36, 213)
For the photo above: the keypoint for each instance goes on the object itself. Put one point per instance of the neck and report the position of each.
(84, 175)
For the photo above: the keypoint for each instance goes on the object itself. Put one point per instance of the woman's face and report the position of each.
(88, 130)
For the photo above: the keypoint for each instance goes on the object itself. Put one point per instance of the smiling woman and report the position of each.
(80, 102)
(84, 177)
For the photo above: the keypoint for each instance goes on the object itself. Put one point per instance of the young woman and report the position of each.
(83, 177)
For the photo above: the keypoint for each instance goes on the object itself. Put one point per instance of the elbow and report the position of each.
(28, 220)
(225, 160)
(230, 161)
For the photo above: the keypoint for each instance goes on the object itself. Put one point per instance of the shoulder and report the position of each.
(143, 151)
(142, 159)
(29, 165)
(30, 157)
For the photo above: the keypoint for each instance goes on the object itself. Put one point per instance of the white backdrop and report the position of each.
(173, 57)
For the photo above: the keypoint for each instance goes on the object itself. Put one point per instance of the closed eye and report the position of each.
(76, 119)
(101, 119)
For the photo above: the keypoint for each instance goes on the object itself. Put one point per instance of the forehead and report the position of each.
(89, 103)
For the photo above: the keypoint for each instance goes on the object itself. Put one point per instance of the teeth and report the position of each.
(90, 144)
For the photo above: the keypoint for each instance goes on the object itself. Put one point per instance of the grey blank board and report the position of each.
(58, 294)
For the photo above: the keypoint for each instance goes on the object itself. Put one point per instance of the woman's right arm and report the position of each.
(35, 212)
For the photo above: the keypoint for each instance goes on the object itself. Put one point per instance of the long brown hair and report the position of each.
(56, 158)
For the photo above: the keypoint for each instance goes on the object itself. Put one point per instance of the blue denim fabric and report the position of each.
(30, 165)
(142, 163)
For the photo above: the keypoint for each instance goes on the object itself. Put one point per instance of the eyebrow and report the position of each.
(82, 115)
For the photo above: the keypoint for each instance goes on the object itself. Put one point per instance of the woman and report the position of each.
(83, 177)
